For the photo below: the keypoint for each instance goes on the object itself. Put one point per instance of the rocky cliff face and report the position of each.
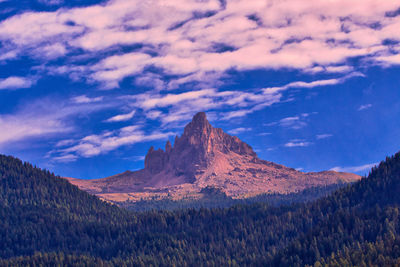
(206, 156)
(195, 149)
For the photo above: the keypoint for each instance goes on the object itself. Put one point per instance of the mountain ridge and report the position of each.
(206, 156)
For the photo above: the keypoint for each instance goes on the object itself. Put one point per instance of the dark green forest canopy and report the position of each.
(218, 199)
(45, 219)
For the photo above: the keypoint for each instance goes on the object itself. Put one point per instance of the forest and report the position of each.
(47, 221)
(215, 198)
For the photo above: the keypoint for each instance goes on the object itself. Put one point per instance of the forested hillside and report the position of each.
(44, 220)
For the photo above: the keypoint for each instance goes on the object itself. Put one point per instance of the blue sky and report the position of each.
(86, 87)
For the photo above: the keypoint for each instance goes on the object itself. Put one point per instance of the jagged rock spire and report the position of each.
(168, 147)
(198, 126)
(196, 147)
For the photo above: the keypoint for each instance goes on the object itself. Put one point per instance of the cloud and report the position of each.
(323, 136)
(51, 2)
(182, 106)
(21, 126)
(43, 118)
(138, 158)
(317, 83)
(239, 130)
(153, 114)
(93, 145)
(65, 158)
(189, 39)
(355, 168)
(14, 82)
(51, 51)
(330, 69)
(297, 143)
(113, 69)
(122, 117)
(167, 45)
(66, 142)
(364, 107)
(295, 122)
(8, 55)
(148, 101)
(83, 99)
(389, 60)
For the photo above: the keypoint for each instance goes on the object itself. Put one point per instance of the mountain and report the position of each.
(202, 157)
(44, 220)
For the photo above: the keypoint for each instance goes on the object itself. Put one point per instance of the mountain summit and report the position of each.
(205, 156)
(195, 150)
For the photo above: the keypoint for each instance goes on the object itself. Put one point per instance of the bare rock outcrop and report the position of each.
(205, 156)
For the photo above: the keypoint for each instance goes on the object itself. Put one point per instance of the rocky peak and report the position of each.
(168, 147)
(206, 156)
(198, 129)
(155, 160)
(196, 147)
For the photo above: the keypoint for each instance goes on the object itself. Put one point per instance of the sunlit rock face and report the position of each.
(206, 156)
(195, 149)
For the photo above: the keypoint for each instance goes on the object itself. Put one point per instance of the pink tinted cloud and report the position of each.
(297, 34)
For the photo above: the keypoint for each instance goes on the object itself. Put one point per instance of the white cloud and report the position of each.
(113, 69)
(294, 122)
(323, 136)
(65, 158)
(21, 126)
(94, 145)
(388, 60)
(122, 117)
(152, 101)
(42, 118)
(239, 130)
(364, 107)
(297, 143)
(317, 38)
(8, 55)
(83, 99)
(181, 106)
(317, 83)
(14, 82)
(66, 142)
(139, 158)
(355, 168)
(52, 51)
(154, 114)
(330, 69)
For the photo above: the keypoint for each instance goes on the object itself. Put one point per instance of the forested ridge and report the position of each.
(46, 220)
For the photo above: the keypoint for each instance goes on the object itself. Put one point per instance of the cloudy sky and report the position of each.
(86, 87)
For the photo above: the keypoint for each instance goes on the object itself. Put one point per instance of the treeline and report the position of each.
(43, 214)
(214, 198)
